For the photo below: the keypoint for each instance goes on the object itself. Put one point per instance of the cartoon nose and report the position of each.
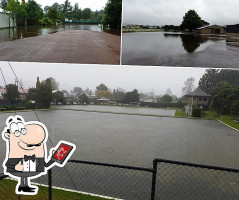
(35, 134)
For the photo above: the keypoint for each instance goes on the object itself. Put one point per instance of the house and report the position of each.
(5, 21)
(149, 100)
(213, 30)
(22, 93)
(232, 33)
(197, 98)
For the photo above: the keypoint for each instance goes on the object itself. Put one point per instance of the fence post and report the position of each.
(50, 184)
(155, 164)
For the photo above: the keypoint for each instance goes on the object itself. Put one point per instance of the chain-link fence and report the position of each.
(167, 180)
(181, 180)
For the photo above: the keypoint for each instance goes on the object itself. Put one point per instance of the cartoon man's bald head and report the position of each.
(24, 138)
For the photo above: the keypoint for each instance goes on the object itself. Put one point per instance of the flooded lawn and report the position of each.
(32, 31)
(177, 49)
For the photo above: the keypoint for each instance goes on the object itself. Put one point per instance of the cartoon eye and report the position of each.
(17, 133)
(24, 131)
(13, 128)
(22, 128)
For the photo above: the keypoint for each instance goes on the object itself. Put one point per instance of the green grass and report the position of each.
(179, 112)
(7, 191)
(227, 119)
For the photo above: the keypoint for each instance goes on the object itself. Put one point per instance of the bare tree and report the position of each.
(189, 86)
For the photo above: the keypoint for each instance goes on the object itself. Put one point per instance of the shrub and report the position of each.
(45, 21)
(234, 108)
(196, 112)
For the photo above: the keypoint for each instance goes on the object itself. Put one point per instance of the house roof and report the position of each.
(208, 27)
(233, 28)
(197, 93)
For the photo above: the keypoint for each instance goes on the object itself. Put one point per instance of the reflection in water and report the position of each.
(32, 31)
(190, 42)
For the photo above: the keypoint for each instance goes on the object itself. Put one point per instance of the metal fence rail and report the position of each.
(167, 180)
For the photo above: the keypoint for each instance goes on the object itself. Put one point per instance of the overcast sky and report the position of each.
(145, 79)
(92, 4)
(161, 12)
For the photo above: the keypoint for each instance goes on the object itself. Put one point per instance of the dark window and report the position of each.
(204, 99)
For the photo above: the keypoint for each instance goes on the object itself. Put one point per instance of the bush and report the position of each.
(234, 108)
(196, 112)
(45, 21)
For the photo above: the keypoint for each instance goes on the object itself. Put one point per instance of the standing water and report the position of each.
(32, 31)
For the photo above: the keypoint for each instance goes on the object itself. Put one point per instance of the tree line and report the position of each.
(223, 85)
(31, 13)
(191, 21)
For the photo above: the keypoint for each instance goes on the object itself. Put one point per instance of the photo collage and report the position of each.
(119, 99)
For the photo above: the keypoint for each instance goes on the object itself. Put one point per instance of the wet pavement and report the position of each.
(70, 46)
(175, 49)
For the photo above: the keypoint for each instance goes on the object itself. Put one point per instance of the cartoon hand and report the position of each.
(19, 166)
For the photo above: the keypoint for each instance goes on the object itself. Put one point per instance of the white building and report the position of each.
(5, 21)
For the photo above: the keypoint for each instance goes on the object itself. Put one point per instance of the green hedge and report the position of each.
(196, 112)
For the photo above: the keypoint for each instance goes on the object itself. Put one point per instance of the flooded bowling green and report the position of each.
(137, 140)
(178, 49)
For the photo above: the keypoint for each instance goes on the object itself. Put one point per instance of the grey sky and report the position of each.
(161, 12)
(145, 79)
(92, 4)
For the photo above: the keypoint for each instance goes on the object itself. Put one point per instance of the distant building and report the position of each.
(197, 98)
(148, 100)
(5, 21)
(23, 93)
(213, 30)
(233, 33)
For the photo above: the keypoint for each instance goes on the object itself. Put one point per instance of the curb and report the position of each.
(228, 125)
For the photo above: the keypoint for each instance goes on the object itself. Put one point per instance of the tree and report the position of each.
(208, 80)
(78, 91)
(67, 8)
(3, 4)
(54, 84)
(118, 94)
(230, 76)
(188, 85)
(101, 87)
(84, 99)
(112, 14)
(224, 99)
(192, 20)
(53, 14)
(34, 12)
(11, 94)
(131, 96)
(13, 7)
(166, 99)
(86, 13)
(42, 94)
(59, 96)
(104, 93)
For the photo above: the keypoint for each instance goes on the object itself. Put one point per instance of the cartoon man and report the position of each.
(26, 152)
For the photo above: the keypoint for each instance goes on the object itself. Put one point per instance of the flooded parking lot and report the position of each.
(177, 49)
(33, 31)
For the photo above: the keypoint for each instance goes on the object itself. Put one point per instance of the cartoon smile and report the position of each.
(26, 146)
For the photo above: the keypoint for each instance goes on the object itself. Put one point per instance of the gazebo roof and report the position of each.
(197, 93)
